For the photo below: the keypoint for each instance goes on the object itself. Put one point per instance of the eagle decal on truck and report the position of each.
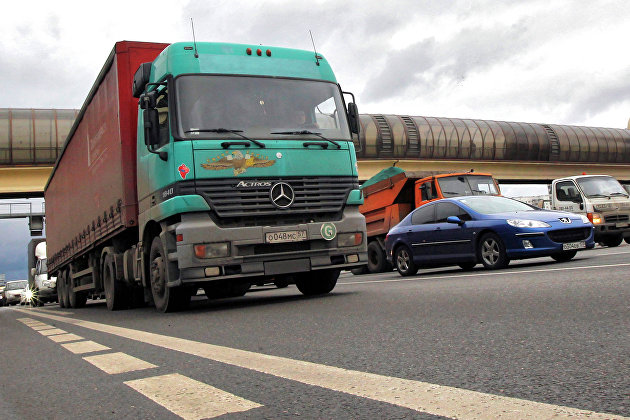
(237, 161)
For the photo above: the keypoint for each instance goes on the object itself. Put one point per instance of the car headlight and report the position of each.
(523, 223)
(584, 219)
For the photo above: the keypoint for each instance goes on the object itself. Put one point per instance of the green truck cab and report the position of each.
(246, 173)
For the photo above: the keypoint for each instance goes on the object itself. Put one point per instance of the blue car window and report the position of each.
(445, 209)
(493, 205)
(423, 215)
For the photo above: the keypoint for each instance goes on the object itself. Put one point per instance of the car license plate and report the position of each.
(286, 236)
(622, 225)
(573, 245)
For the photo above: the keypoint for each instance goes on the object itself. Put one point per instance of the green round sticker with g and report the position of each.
(329, 231)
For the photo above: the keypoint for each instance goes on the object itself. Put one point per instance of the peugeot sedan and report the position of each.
(489, 230)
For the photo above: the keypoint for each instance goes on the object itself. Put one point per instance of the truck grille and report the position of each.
(315, 197)
(616, 218)
(569, 235)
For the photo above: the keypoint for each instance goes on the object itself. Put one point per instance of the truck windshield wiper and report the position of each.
(619, 193)
(225, 130)
(598, 195)
(306, 132)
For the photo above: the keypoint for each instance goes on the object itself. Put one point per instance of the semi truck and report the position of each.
(43, 288)
(393, 193)
(205, 165)
(601, 198)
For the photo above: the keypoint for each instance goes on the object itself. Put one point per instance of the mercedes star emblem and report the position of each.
(281, 195)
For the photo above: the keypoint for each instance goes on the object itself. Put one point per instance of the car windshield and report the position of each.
(493, 205)
(452, 186)
(257, 107)
(16, 285)
(597, 186)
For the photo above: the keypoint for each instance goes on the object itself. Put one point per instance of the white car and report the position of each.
(13, 291)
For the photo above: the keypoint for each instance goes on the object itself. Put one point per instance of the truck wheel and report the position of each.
(166, 299)
(492, 252)
(377, 262)
(612, 241)
(564, 256)
(317, 282)
(404, 261)
(360, 270)
(75, 299)
(61, 289)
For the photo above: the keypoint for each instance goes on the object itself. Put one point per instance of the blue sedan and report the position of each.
(489, 230)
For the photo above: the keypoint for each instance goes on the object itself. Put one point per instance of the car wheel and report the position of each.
(492, 252)
(403, 258)
(317, 282)
(377, 262)
(612, 241)
(564, 256)
(467, 266)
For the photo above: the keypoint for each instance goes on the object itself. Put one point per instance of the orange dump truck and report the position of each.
(393, 193)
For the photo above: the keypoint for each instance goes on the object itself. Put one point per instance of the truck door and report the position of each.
(567, 197)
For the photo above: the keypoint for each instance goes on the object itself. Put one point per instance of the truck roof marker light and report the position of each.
(268, 52)
(248, 51)
(259, 52)
(180, 237)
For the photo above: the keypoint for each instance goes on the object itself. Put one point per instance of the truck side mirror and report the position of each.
(140, 79)
(353, 117)
(151, 128)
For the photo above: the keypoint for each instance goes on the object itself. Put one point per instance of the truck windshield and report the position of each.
(452, 186)
(258, 106)
(601, 186)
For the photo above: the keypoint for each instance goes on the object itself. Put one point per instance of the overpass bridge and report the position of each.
(514, 152)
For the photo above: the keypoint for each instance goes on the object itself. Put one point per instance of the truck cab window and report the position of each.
(162, 108)
(566, 191)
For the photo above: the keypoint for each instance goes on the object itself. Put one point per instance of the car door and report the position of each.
(419, 233)
(452, 243)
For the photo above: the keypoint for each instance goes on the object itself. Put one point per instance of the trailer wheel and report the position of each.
(61, 289)
(166, 299)
(75, 299)
(115, 290)
(377, 262)
(492, 252)
(317, 282)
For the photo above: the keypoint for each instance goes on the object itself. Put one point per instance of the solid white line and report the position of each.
(190, 399)
(416, 395)
(114, 363)
(483, 273)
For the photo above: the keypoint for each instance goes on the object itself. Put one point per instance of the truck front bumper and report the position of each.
(252, 254)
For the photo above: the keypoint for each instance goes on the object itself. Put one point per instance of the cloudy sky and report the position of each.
(545, 61)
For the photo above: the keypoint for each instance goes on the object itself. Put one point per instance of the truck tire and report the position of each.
(115, 290)
(75, 299)
(612, 241)
(61, 289)
(360, 270)
(377, 262)
(564, 256)
(317, 282)
(491, 252)
(166, 299)
(403, 257)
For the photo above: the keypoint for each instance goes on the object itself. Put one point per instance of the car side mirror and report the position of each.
(455, 220)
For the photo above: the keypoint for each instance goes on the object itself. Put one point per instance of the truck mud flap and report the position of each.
(287, 266)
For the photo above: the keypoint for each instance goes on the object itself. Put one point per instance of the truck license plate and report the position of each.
(573, 245)
(286, 236)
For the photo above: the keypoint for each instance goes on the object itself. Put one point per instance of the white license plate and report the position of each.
(622, 225)
(573, 245)
(286, 236)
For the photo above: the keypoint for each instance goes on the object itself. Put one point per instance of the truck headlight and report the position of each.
(349, 239)
(594, 218)
(522, 223)
(214, 250)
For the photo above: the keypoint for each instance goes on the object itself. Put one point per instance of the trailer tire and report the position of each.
(166, 299)
(377, 262)
(317, 282)
(61, 289)
(75, 299)
(115, 290)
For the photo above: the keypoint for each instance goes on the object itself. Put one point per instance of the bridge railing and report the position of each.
(24, 209)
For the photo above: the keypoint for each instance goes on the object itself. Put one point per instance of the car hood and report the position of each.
(548, 216)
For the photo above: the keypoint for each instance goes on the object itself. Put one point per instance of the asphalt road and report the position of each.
(552, 337)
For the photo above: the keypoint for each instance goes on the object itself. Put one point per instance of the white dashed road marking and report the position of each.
(64, 338)
(82, 347)
(188, 398)
(416, 395)
(114, 363)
